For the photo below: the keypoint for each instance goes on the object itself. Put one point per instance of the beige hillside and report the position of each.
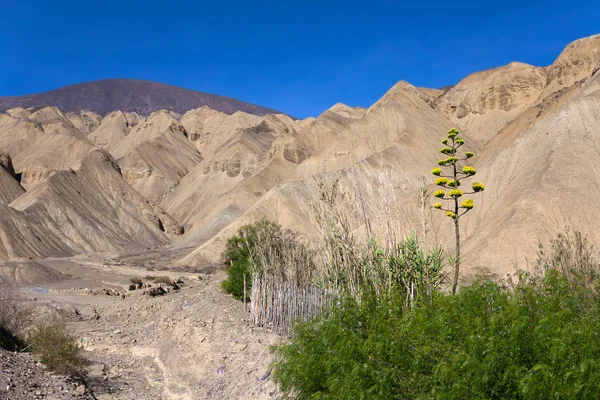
(484, 102)
(92, 209)
(42, 143)
(391, 143)
(113, 128)
(245, 164)
(84, 121)
(576, 62)
(10, 189)
(206, 126)
(22, 237)
(19, 112)
(546, 180)
(155, 155)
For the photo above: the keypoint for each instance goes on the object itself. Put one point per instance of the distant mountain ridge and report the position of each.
(130, 95)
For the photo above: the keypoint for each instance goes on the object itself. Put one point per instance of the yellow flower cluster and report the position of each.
(447, 150)
(445, 141)
(441, 181)
(478, 187)
(452, 133)
(439, 194)
(459, 140)
(436, 171)
(451, 214)
(469, 170)
(456, 193)
(468, 154)
(451, 183)
(468, 204)
(437, 205)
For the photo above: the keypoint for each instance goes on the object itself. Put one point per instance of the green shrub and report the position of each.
(537, 339)
(58, 350)
(238, 256)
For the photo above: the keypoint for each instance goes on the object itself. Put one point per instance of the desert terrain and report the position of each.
(93, 194)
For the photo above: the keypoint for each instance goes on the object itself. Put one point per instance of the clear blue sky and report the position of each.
(300, 57)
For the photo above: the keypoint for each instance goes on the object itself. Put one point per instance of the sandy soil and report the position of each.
(195, 343)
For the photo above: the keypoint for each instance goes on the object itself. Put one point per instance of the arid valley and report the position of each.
(107, 186)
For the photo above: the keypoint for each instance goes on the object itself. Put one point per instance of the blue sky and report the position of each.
(299, 57)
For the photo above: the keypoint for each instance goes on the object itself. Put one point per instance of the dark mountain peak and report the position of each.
(129, 95)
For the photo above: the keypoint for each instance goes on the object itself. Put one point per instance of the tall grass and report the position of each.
(535, 339)
(286, 267)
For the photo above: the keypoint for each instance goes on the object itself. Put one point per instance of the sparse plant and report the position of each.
(13, 319)
(457, 207)
(57, 349)
(150, 277)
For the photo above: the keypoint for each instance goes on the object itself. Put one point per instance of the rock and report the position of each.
(6, 163)
(80, 389)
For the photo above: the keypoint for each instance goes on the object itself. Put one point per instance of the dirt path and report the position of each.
(192, 344)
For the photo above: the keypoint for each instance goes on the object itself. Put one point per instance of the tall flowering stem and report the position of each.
(455, 206)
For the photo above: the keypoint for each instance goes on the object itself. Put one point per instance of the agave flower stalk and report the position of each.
(457, 205)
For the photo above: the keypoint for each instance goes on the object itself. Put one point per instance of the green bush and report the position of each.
(238, 256)
(537, 339)
(58, 350)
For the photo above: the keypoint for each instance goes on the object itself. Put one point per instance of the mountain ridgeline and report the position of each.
(129, 95)
(123, 165)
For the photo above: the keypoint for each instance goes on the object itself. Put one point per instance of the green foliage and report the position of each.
(239, 253)
(537, 339)
(58, 350)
